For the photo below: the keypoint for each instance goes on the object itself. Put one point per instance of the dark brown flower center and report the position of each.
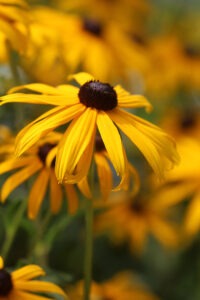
(92, 26)
(188, 120)
(98, 95)
(44, 151)
(192, 52)
(6, 284)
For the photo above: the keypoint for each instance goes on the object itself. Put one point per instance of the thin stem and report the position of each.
(88, 248)
(13, 230)
(13, 63)
(89, 237)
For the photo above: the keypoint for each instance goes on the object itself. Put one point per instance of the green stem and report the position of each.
(13, 230)
(13, 64)
(88, 248)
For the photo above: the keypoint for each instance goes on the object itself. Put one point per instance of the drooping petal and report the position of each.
(81, 77)
(154, 154)
(83, 186)
(34, 131)
(55, 193)
(27, 273)
(83, 165)
(104, 173)
(125, 99)
(18, 178)
(74, 142)
(72, 198)
(113, 143)
(37, 193)
(40, 286)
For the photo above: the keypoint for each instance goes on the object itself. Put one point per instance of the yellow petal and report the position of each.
(192, 218)
(125, 99)
(55, 193)
(27, 273)
(18, 178)
(16, 38)
(1, 263)
(83, 165)
(74, 142)
(40, 286)
(15, 163)
(127, 124)
(112, 142)
(83, 186)
(16, 294)
(81, 77)
(104, 174)
(34, 131)
(37, 87)
(40, 99)
(72, 198)
(37, 193)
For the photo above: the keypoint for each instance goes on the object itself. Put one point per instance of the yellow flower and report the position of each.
(14, 20)
(134, 219)
(183, 183)
(19, 284)
(39, 160)
(92, 105)
(123, 286)
(109, 44)
(44, 61)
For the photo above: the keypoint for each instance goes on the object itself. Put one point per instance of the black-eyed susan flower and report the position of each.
(134, 219)
(122, 286)
(39, 161)
(19, 284)
(92, 105)
(14, 21)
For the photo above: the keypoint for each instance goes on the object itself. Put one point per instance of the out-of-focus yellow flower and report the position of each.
(14, 20)
(93, 105)
(184, 121)
(19, 284)
(84, 41)
(132, 10)
(183, 183)
(133, 219)
(123, 286)
(38, 160)
(44, 60)
(165, 73)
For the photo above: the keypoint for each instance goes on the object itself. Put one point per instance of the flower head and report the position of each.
(93, 105)
(39, 161)
(19, 284)
(14, 21)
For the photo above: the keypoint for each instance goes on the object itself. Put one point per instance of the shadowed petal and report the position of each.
(18, 178)
(37, 193)
(55, 193)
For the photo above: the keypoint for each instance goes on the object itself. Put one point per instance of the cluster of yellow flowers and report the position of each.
(80, 58)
